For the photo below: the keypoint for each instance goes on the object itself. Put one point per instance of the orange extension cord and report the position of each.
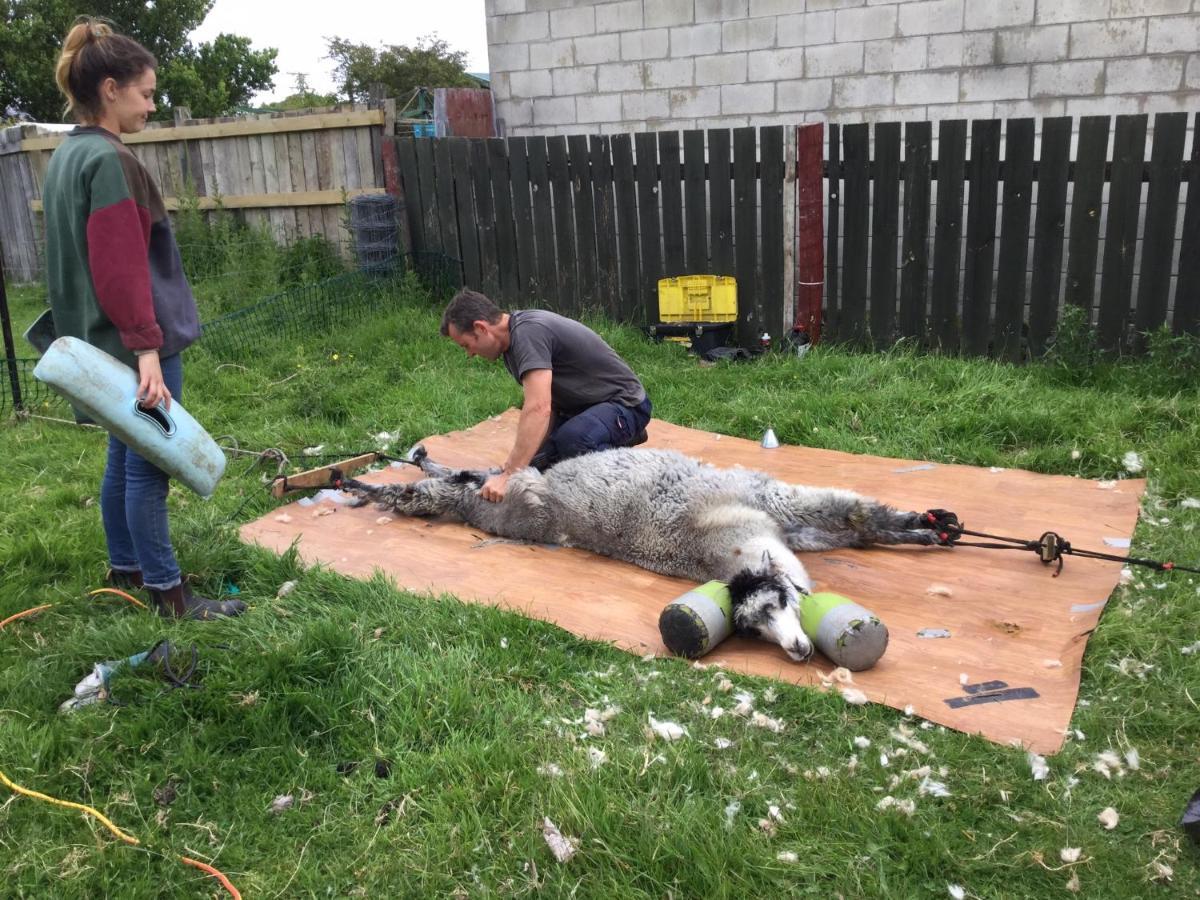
(37, 609)
(99, 816)
(127, 838)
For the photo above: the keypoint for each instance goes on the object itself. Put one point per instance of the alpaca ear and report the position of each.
(801, 590)
(769, 566)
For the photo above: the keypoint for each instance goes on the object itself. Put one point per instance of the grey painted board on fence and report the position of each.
(885, 214)
(856, 199)
(770, 300)
(944, 286)
(1120, 241)
(1014, 239)
(1048, 231)
(608, 262)
(981, 236)
(1187, 287)
(1162, 206)
(914, 256)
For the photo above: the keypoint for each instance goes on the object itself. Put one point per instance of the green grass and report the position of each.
(466, 704)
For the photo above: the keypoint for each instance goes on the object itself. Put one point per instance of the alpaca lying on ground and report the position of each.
(674, 515)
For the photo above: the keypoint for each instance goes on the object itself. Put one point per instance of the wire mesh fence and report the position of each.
(373, 224)
(30, 393)
(324, 305)
(292, 314)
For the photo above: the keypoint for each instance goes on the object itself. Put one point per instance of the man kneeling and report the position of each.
(580, 396)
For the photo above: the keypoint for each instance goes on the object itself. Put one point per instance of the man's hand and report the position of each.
(495, 487)
(151, 388)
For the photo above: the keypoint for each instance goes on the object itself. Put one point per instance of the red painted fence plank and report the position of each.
(810, 258)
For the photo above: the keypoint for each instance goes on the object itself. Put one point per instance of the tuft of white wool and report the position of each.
(732, 808)
(907, 807)
(854, 696)
(1108, 818)
(745, 703)
(561, 846)
(904, 735)
(1037, 765)
(929, 787)
(668, 731)
(759, 720)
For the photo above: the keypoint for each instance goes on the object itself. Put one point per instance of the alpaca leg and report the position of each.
(420, 456)
(827, 518)
(427, 497)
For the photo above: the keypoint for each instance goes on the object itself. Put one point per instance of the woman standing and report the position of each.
(115, 281)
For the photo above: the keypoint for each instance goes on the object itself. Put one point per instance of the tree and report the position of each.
(211, 79)
(401, 69)
(304, 97)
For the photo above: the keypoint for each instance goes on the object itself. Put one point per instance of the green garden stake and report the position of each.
(848, 634)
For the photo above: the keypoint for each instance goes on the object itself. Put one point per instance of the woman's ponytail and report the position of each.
(92, 52)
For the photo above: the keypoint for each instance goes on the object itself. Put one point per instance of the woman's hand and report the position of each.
(151, 388)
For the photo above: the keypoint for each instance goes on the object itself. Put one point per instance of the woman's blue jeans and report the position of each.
(133, 505)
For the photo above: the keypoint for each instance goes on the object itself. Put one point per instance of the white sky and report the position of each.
(298, 28)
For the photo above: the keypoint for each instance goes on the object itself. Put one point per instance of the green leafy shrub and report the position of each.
(310, 259)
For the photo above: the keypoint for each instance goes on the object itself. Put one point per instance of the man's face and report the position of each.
(482, 340)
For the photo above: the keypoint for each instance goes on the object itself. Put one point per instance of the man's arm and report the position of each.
(532, 429)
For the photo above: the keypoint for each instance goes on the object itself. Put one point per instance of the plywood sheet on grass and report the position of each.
(1008, 619)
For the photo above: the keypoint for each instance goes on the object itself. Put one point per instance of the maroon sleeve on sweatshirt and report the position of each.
(118, 236)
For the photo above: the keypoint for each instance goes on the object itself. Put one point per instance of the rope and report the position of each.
(1050, 547)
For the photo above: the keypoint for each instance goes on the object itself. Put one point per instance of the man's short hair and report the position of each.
(467, 308)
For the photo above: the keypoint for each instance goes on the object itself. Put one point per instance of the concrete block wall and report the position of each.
(573, 66)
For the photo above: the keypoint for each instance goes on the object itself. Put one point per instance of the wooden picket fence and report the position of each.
(973, 266)
(995, 296)
(594, 221)
(291, 172)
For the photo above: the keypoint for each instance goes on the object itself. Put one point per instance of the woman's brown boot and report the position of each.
(124, 580)
(180, 603)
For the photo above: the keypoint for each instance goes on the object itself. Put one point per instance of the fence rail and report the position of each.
(995, 281)
(594, 221)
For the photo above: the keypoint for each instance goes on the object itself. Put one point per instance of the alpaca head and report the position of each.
(766, 605)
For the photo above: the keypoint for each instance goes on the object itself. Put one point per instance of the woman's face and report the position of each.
(127, 106)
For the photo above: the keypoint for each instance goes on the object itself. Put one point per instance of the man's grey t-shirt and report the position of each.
(585, 370)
